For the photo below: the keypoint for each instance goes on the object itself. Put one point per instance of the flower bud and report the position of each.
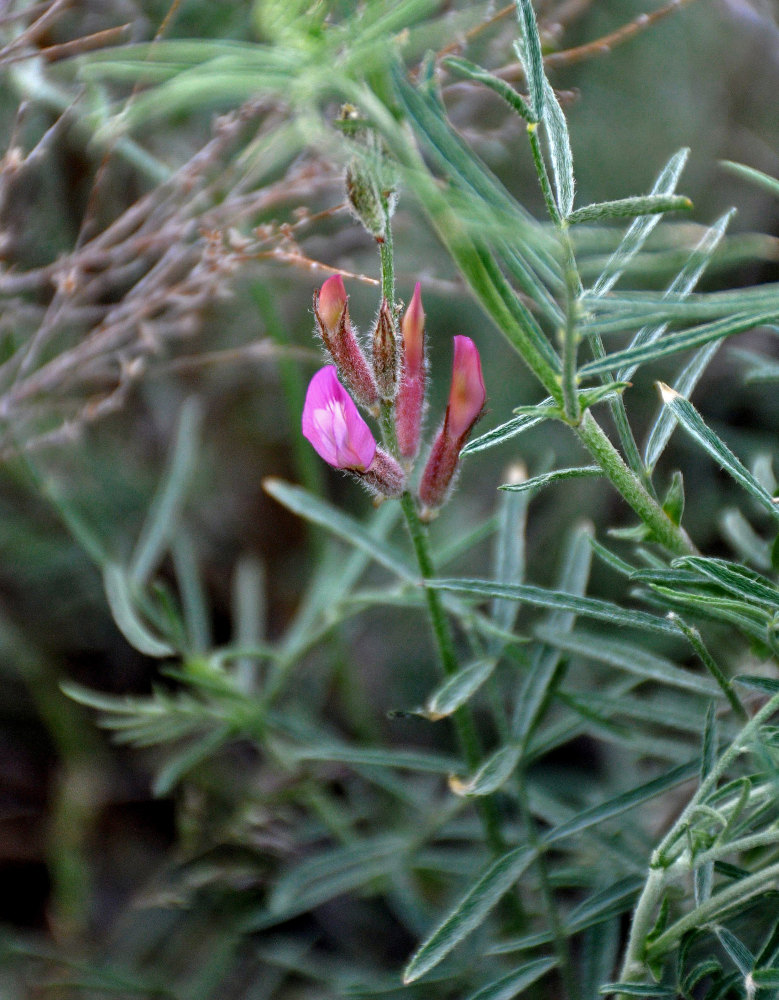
(385, 353)
(331, 310)
(466, 401)
(410, 400)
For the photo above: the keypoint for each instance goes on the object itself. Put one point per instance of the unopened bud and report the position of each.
(385, 353)
(410, 400)
(331, 311)
(466, 401)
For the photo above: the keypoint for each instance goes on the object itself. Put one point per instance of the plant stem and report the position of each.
(625, 480)
(570, 344)
(444, 641)
(662, 868)
(550, 904)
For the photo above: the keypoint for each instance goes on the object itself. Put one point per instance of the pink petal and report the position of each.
(333, 425)
(331, 301)
(413, 327)
(467, 393)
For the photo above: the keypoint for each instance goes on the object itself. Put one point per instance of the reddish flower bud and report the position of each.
(410, 400)
(466, 401)
(333, 425)
(331, 301)
(331, 310)
(467, 395)
(385, 353)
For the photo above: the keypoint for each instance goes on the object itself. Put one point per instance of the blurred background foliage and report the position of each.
(153, 254)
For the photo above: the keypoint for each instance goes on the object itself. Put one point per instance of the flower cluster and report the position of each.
(394, 384)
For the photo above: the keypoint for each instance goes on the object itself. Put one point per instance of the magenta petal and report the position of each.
(333, 425)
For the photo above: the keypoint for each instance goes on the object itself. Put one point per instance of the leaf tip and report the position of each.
(667, 394)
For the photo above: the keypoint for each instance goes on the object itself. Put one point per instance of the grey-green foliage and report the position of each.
(345, 806)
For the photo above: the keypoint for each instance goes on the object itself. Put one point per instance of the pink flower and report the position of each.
(331, 310)
(410, 401)
(466, 402)
(333, 425)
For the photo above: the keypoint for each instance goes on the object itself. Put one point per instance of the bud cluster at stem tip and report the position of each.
(396, 382)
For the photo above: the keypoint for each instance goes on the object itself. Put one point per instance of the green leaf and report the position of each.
(766, 684)
(473, 72)
(406, 760)
(508, 555)
(162, 520)
(628, 359)
(120, 591)
(738, 580)
(682, 285)
(508, 430)
(458, 688)
(596, 815)
(472, 910)
(546, 669)
(547, 478)
(493, 773)
(673, 502)
(587, 607)
(332, 873)
(740, 534)
(765, 181)
(516, 981)
(326, 516)
(740, 955)
(559, 151)
(640, 229)
(692, 422)
(650, 204)
(528, 50)
(627, 656)
(766, 979)
(639, 990)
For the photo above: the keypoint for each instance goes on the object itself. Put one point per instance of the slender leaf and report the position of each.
(765, 181)
(506, 431)
(682, 285)
(627, 656)
(628, 359)
(650, 204)
(588, 607)
(456, 690)
(162, 520)
(472, 910)
(559, 151)
(319, 512)
(473, 72)
(740, 955)
(691, 420)
(120, 592)
(494, 773)
(640, 229)
(547, 478)
(529, 51)
(596, 815)
(516, 981)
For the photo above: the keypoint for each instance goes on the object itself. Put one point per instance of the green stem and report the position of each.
(625, 480)
(562, 951)
(663, 868)
(570, 343)
(444, 641)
